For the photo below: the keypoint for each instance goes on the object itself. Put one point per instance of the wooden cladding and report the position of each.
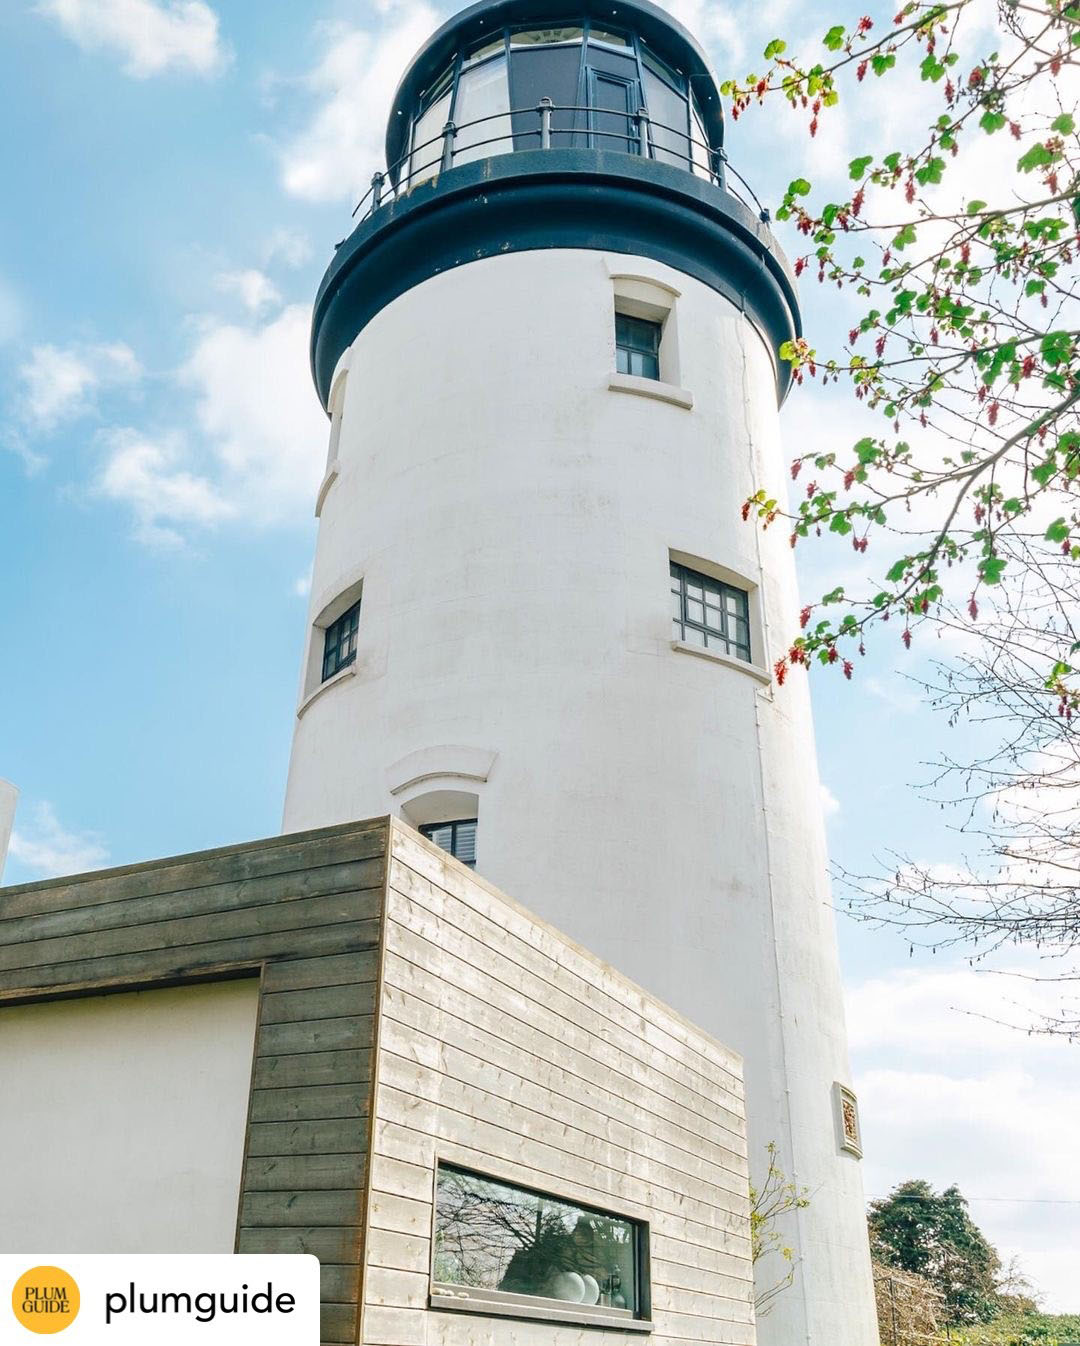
(304, 914)
(411, 1014)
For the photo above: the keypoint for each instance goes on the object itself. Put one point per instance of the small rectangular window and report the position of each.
(458, 837)
(710, 613)
(637, 346)
(339, 649)
(503, 1248)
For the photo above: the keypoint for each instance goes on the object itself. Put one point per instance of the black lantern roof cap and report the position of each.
(667, 37)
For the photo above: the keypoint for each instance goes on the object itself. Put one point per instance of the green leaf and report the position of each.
(904, 237)
(800, 187)
(991, 569)
(776, 48)
(898, 571)
(931, 171)
(992, 121)
(834, 38)
(1064, 125)
(1038, 156)
(975, 206)
(1058, 531)
(857, 168)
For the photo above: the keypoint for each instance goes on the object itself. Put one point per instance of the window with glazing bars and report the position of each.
(457, 837)
(637, 346)
(710, 613)
(339, 649)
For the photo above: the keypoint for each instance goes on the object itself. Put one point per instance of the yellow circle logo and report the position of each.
(45, 1300)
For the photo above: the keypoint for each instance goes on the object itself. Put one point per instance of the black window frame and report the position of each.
(637, 337)
(459, 1297)
(429, 829)
(569, 128)
(718, 636)
(339, 642)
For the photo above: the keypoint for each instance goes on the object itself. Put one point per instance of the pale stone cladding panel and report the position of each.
(504, 1047)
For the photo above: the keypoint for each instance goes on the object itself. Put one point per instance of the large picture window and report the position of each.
(501, 1248)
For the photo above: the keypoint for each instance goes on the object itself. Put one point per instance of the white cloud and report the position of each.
(150, 37)
(255, 290)
(58, 383)
(302, 584)
(830, 805)
(334, 156)
(260, 419)
(150, 477)
(949, 1094)
(290, 247)
(45, 848)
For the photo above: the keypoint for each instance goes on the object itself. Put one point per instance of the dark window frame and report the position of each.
(723, 634)
(429, 829)
(339, 642)
(636, 47)
(469, 1299)
(637, 343)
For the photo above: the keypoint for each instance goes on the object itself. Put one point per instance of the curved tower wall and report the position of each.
(507, 519)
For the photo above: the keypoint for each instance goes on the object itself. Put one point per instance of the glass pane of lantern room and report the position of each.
(545, 72)
(667, 122)
(699, 149)
(426, 158)
(483, 92)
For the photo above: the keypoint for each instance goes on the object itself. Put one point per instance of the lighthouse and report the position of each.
(539, 631)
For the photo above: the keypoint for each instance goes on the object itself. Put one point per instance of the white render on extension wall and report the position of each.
(508, 513)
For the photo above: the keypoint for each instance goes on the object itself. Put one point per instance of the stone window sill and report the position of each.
(324, 490)
(729, 661)
(661, 392)
(348, 672)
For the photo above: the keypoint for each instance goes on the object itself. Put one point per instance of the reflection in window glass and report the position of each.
(483, 92)
(483, 52)
(542, 36)
(501, 1240)
(667, 118)
(427, 157)
(699, 149)
(611, 39)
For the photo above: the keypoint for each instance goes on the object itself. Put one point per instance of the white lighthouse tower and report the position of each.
(539, 630)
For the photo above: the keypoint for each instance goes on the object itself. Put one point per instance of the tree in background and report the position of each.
(931, 1235)
(959, 249)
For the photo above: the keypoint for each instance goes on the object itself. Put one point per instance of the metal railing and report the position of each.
(638, 138)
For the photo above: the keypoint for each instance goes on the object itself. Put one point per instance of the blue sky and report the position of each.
(175, 178)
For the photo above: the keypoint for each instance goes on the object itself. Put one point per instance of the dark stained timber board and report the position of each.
(304, 914)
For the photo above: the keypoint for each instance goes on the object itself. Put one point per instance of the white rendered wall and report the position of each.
(122, 1120)
(510, 517)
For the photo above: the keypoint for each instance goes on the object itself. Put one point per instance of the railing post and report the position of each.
(545, 107)
(376, 190)
(642, 120)
(449, 132)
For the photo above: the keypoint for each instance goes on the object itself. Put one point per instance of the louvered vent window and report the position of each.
(458, 837)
